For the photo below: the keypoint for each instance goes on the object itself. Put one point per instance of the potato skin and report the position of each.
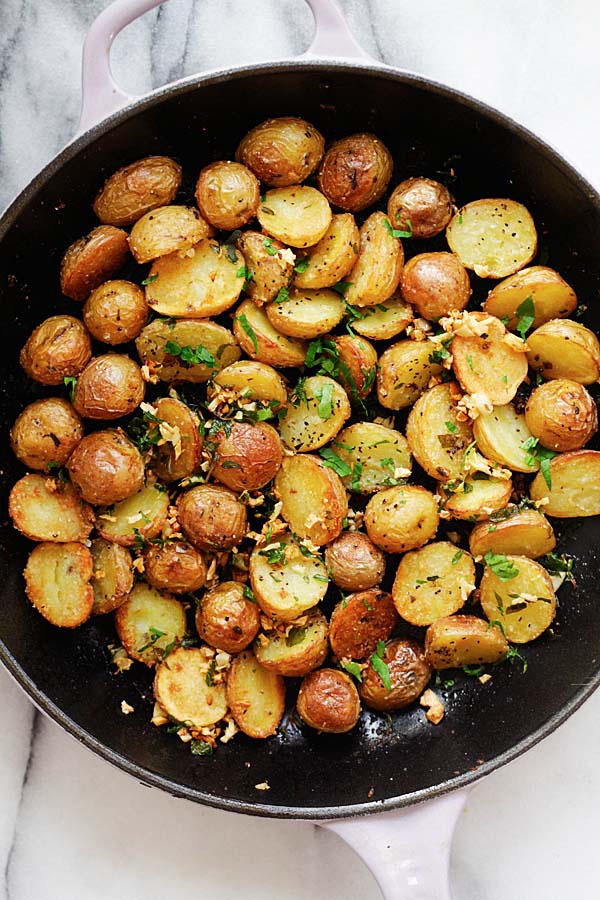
(435, 283)
(270, 271)
(92, 259)
(60, 346)
(457, 641)
(47, 431)
(355, 172)
(401, 518)
(409, 675)
(136, 188)
(110, 386)
(106, 467)
(172, 462)
(282, 151)
(113, 575)
(421, 205)
(227, 620)
(176, 567)
(359, 358)
(115, 312)
(359, 622)
(328, 701)
(227, 194)
(562, 414)
(211, 517)
(354, 561)
(165, 230)
(249, 457)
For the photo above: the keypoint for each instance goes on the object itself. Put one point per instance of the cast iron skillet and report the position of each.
(381, 764)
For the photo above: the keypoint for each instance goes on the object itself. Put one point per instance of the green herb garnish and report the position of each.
(501, 566)
(249, 330)
(333, 461)
(398, 232)
(149, 280)
(526, 316)
(200, 748)
(191, 356)
(381, 667)
(324, 397)
(71, 383)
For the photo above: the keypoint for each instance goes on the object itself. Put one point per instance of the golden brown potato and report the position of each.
(355, 172)
(148, 623)
(357, 364)
(306, 314)
(57, 582)
(525, 532)
(493, 237)
(179, 450)
(375, 455)
(332, 258)
(405, 370)
(354, 562)
(522, 600)
(253, 381)
(59, 347)
(110, 386)
(168, 229)
(133, 190)
(297, 215)
(113, 575)
(420, 206)
(502, 435)
(44, 509)
(175, 566)
(478, 497)
(299, 651)
(211, 517)
(575, 485)
(433, 582)
(562, 415)
(314, 502)
(91, 260)
(185, 689)
(227, 619)
(359, 622)
(489, 362)
(261, 341)
(457, 641)
(45, 433)
(269, 265)
(282, 151)
(115, 312)
(287, 578)
(437, 438)
(186, 350)
(377, 271)
(106, 467)
(551, 295)
(247, 457)
(256, 696)
(227, 194)
(409, 673)
(143, 515)
(435, 284)
(386, 320)
(401, 518)
(314, 420)
(328, 701)
(562, 348)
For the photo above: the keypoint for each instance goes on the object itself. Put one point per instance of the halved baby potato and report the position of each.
(313, 500)
(354, 562)
(247, 457)
(524, 604)
(163, 346)
(227, 618)
(378, 456)
(477, 497)
(260, 340)
(142, 515)
(57, 582)
(359, 622)
(433, 582)
(500, 436)
(303, 649)
(456, 641)
(575, 485)
(165, 230)
(212, 517)
(181, 686)
(405, 370)
(386, 320)
(44, 509)
(551, 295)
(269, 265)
(376, 273)
(175, 566)
(148, 623)
(179, 450)
(316, 418)
(562, 415)
(256, 696)
(306, 313)
(562, 348)
(494, 237)
(525, 532)
(297, 215)
(357, 363)
(493, 363)
(92, 259)
(437, 437)
(252, 380)
(401, 518)
(332, 258)
(285, 581)
(113, 575)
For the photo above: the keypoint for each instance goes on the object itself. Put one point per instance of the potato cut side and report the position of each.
(260, 340)
(317, 417)
(524, 532)
(285, 580)
(141, 516)
(166, 230)
(57, 582)
(332, 258)
(386, 320)
(113, 575)
(379, 457)
(45, 509)
(297, 215)
(433, 582)
(376, 273)
(269, 266)
(575, 485)
(476, 498)
(360, 621)
(457, 641)
(551, 295)
(196, 283)
(303, 648)
(306, 314)
(491, 365)
(493, 237)
(401, 518)
(522, 600)
(179, 450)
(562, 348)
(256, 696)
(148, 623)
(500, 436)
(181, 686)
(405, 370)
(437, 438)
(313, 500)
(252, 380)
(165, 348)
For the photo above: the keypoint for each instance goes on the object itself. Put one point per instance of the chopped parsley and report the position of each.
(149, 280)
(283, 296)
(353, 669)
(155, 634)
(200, 748)
(501, 566)
(249, 330)
(526, 316)
(301, 266)
(452, 428)
(211, 673)
(245, 273)
(356, 473)
(191, 356)
(381, 667)
(441, 353)
(249, 595)
(271, 250)
(398, 232)
(457, 556)
(324, 397)
(70, 382)
(296, 636)
(535, 453)
(333, 461)
(230, 245)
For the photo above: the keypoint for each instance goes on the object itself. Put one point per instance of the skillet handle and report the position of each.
(102, 96)
(407, 850)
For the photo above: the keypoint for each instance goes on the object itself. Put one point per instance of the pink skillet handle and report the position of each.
(407, 850)
(102, 96)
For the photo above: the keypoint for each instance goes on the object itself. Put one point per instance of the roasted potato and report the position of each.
(110, 387)
(377, 271)
(282, 151)
(255, 695)
(524, 532)
(401, 518)
(359, 622)
(227, 618)
(112, 579)
(562, 348)
(328, 701)
(247, 457)
(517, 592)
(306, 314)
(59, 347)
(44, 509)
(141, 516)
(311, 422)
(185, 690)
(227, 194)
(386, 320)
(562, 415)
(437, 437)
(435, 284)
(285, 580)
(269, 265)
(420, 206)
(332, 258)
(106, 467)
(433, 582)
(457, 641)
(260, 340)
(377, 456)
(354, 562)
(575, 485)
(298, 651)
(133, 190)
(408, 670)
(148, 623)
(115, 312)
(174, 565)
(357, 362)
(186, 350)
(405, 370)
(355, 172)
(313, 500)
(495, 238)
(91, 260)
(179, 448)
(475, 498)
(251, 380)
(551, 295)
(168, 229)
(45, 433)
(297, 215)
(489, 361)
(503, 436)
(211, 517)
(57, 582)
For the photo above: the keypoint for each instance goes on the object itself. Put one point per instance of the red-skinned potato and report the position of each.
(355, 172)
(59, 347)
(420, 206)
(227, 619)
(435, 283)
(328, 701)
(248, 457)
(91, 260)
(110, 386)
(211, 517)
(106, 467)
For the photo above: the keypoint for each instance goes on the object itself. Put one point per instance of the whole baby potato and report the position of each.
(227, 619)
(282, 151)
(46, 432)
(354, 561)
(227, 194)
(115, 312)
(328, 701)
(92, 259)
(355, 172)
(106, 467)
(59, 347)
(133, 190)
(212, 517)
(248, 457)
(562, 415)
(435, 283)
(401, 518)
(109, 387)
(175, 566)
(409, 674)
(421, 206)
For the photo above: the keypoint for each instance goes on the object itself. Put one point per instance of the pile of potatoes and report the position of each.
(218, 456)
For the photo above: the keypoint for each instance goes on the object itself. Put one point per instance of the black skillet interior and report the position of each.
(383, 762)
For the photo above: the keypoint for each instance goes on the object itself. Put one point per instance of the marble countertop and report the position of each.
(70, 825)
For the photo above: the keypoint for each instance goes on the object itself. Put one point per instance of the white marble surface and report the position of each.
(73, 828)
